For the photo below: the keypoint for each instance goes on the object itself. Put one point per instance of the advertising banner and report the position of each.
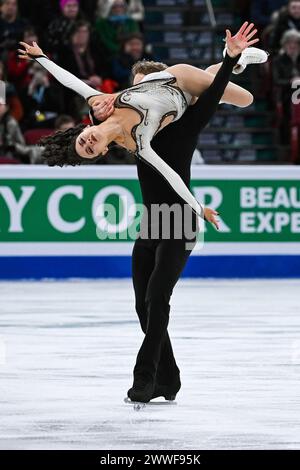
(54, 212)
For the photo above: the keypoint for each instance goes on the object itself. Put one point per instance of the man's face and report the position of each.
(134, 47)
(91, 142)
(10, 8)
(143, 68)
(138, 78)
(294, 10)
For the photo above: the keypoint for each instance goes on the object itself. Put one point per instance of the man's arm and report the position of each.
(207, 103)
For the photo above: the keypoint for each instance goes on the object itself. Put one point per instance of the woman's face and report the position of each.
(91, 143)
(71, 9)
(81, 36)
(118, 8)
(292, 48)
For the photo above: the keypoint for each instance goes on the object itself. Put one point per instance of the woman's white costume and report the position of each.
(154, 98)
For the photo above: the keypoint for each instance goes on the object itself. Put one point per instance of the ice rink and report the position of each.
(68, 349)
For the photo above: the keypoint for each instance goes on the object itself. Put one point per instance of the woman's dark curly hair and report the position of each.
(60, 148)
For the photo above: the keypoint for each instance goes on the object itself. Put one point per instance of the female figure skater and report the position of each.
(141, 111)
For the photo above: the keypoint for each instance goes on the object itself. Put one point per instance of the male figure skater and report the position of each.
(157, 263)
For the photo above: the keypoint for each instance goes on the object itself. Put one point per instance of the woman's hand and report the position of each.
(235, 45)
(210, 216)
(104, 108)
(34, 50)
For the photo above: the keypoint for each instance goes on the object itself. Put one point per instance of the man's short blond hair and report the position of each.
(147, 66)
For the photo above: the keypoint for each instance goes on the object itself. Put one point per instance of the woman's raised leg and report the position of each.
(196, 81)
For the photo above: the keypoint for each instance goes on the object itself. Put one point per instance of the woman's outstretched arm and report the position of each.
(63, 76)
(148, 155)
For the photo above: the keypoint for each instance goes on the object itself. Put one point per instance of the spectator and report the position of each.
(42, 99)
(12, 143)
(286, 67)
(12, 98)
(60, 28)
(289, 18)
(80, 58)
(18, 70)
(136, 11)
(85, 60)
(64, 122)
(115, 25)
(132, 50)
(11, 26)
(103, 8)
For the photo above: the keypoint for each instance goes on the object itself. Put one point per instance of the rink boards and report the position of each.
(54, 222)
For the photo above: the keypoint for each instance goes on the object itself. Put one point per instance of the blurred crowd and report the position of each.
(282, 38)
(96, 40)
(99, 41)
(278, 22)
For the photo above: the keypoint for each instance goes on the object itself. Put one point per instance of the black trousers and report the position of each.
(156, 268)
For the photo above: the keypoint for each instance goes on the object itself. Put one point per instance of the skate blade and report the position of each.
(139, 405)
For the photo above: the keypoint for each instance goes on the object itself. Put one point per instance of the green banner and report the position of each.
(55, 209)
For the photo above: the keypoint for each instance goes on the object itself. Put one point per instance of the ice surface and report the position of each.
(71, 346)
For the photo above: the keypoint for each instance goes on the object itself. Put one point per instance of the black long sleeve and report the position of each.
(207, 104)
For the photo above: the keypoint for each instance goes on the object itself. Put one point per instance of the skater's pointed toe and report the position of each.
(251, 55)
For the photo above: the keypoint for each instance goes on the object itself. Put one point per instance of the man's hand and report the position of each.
(235, 45)
(34, 50)
(210, 216)
(104, 108)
